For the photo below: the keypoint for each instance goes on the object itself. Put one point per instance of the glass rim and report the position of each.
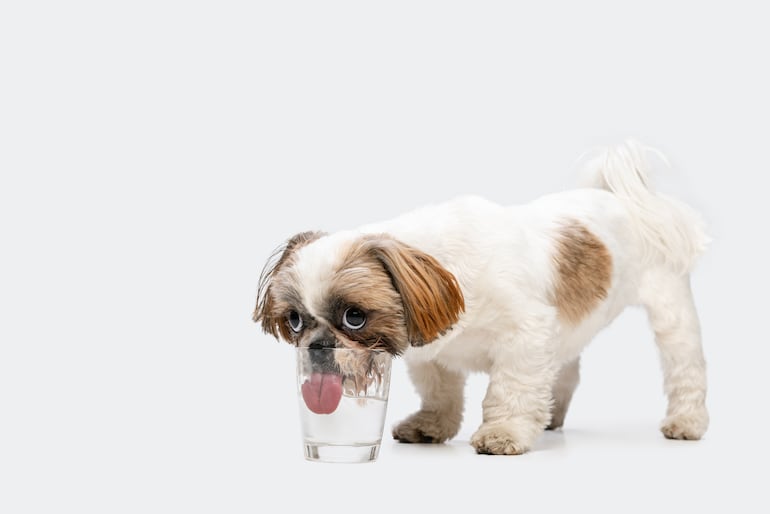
(338, 349)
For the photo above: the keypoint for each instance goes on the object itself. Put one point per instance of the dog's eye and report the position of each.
(353, 318)
(295, 321)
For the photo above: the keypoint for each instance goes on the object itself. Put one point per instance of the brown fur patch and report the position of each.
(267, 311)
(583, 271)
(431, 296)
(362, 282)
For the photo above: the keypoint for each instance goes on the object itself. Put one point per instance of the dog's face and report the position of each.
(356, 291)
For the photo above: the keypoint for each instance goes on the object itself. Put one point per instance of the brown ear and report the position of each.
(431, 295)
(264, 311)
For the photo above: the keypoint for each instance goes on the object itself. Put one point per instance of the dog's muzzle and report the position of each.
(321, 353)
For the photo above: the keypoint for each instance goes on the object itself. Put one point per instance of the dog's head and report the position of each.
(356, 291)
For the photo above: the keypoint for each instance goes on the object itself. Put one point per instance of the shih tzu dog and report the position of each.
(515, 292)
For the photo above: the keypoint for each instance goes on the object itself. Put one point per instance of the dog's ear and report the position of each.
(431, 295)
(264, 311)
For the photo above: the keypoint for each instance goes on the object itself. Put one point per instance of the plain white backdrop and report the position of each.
(154, 153)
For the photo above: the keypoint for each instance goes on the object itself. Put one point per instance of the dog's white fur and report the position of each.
(503, 259)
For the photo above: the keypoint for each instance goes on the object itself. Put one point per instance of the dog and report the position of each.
(516, 292)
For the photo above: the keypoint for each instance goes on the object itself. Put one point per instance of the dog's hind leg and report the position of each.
(671, 311)
(566, 382)
(441, 413)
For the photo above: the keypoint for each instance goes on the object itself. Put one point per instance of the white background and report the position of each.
(153, 153)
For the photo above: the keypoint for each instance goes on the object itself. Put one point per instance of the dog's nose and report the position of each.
(322, 356)
(320, 344)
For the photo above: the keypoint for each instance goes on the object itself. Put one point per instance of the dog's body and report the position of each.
(516, 292)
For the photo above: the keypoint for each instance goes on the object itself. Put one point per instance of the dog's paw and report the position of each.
(498, 440)
(685, 426)
(424, 427)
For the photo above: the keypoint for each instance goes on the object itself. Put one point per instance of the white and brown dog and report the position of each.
(516, 292)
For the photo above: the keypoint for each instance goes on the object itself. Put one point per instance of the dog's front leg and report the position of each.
(517, 406)
(441, 412)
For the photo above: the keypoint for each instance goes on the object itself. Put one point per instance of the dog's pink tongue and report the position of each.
(322, 392)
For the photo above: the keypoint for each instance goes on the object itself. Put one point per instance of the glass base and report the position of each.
(338, 453)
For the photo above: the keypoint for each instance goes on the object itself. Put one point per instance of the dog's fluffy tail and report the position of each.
(671, 232)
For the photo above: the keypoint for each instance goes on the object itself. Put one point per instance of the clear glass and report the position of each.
(343, 398)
